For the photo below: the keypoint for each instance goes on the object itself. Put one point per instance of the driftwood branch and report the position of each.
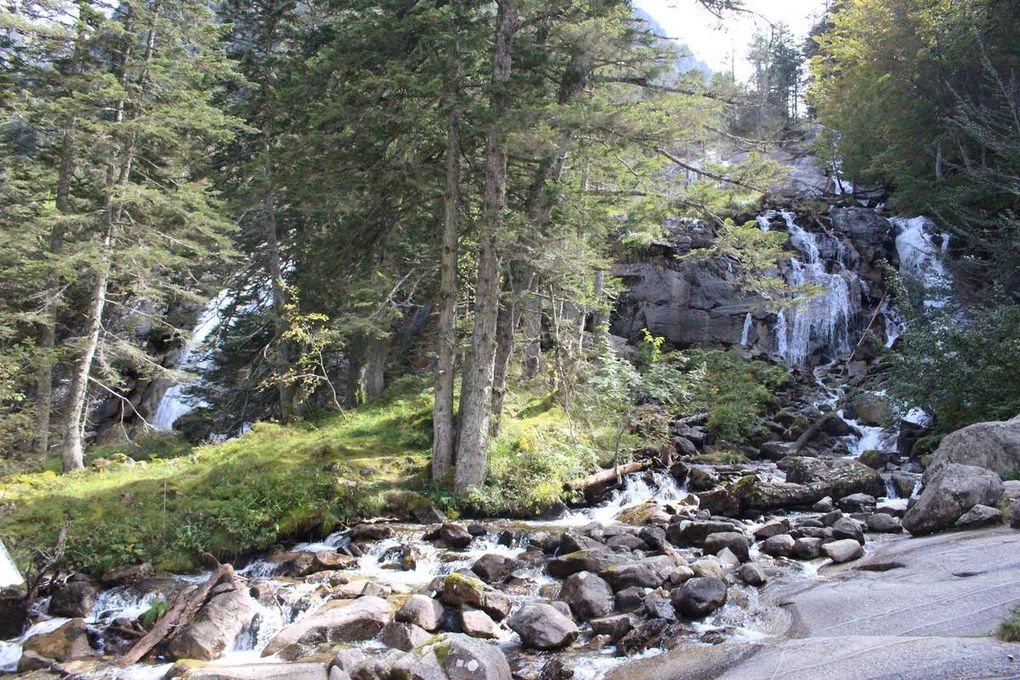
(606, 476)
(183, 609)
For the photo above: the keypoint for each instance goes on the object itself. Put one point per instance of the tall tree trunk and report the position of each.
(532, 329)
(473, 443)
(506, 328)
(600, 324)
(443, 426)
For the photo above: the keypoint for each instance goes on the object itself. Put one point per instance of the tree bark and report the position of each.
(443, 426)
(506, 327)
(472, 448)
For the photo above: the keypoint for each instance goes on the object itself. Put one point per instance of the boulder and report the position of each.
(403, 636)
(13, 612)
(699, 597)
(127, 575)
(779, 546)
(453, 657)
(845, 527)
(752, 574)
(991, 445)
(838, 477)
(657, 606)
(214, 627)
(451, 535)
(69, 641)
(734, 540)
(857, 502)
(650, 634)
(708, 566)
(950, 490)
(459, 590)
(613, 626)
(583, 560)
(478, 624)
(773, 528)
(573, 542)
(806, 548)
(873, 409)
(905, 483)
(843, 551)
(422, 611)
(882, 523)
(588, 595)
(647, 573)
(823, 505)
(492, 567)
(370, 532)
(73, 600)
(542, 627)
(1014, 514)
(875, 459)
(335, 621)
(979, 516)
(654, 537)
(719, 502)
(629, 599)
(694, 532)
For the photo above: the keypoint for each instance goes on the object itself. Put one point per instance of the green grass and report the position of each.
(276, 482)
(1010, 629)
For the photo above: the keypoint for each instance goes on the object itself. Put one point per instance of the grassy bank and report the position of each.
(277, 482)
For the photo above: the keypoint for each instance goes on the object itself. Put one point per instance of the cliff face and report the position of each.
(840, 255)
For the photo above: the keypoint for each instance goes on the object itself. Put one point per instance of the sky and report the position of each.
(715, 41)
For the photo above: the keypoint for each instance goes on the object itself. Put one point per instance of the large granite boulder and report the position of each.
(949, 491)
(459, 590)
(588, 595)
(73, 600)
(335, 621)
(453, 657)
(993, 445)
(422, 611)
(542, 626)
(215, 627)
(69, 641)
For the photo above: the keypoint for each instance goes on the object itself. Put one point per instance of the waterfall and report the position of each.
(174, 404)
(921, 259)
(745, 334)
(9, 573)
(824, 317)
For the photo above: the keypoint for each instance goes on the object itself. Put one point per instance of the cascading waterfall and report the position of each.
(922, 253)
(745, 333)
(174, 404)
(825, 317)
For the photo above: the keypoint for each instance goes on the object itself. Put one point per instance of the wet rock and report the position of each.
(453, 536)
(647, 573)
(904, 483)
(214, 627)
(991, 445)
(836, 477)
(615, 627)
(335, 621)
(807, 548)
(734, 540)
(428, 514)
(979, 516)
(843, 551)
(881, 523)
(779, 546)
(752, 574)
(583, 560)
(477, 530)
(709, 566)
(949, 491)
(875, 460)
(827, 520)
(73, 600)
(652, 633)
(857, 502)
(824, 505)
(626, 542)
(719, 502)
(348, 658)
(702, 479)
(127, 575)
(684, 447)
(848, 528)
(478, 624)
(370, 532)
(542, 627)
(69, 641)
(493, 567)
(13, 612)
(588, 595)
(331, 561)
(773, 528)
(872, 409)
(654, 537)
(403, 636)
(694, 532)
(629, 599)
(460, 590)
(563, 608)
(556, 669)
(573, 542)
(658, 606)
(836, 427)
(544, 541)
(727, 559)
(699, 596)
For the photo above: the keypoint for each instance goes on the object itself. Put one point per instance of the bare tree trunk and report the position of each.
(473, 443)
(506, 326)
(600, 326)
(443, 427)
(532, 329)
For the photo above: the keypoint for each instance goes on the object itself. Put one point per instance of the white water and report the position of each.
(745, 334)
(174, 404)
(10, 575)
(922, 253)
(824, 318)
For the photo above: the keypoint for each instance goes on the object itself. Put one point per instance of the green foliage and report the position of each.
(1010, 629)
(963, 372)
(736, 392)
(153, 614)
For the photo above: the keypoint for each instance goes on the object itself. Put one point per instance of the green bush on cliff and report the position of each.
(735, 392)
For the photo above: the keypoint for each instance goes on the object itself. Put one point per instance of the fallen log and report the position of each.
(606, 476)
(810, 433)
(183, 609)
(696, 419)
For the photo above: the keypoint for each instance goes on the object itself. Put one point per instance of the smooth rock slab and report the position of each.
(261, 671)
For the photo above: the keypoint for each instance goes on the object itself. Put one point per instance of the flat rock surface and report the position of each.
(933, 617)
